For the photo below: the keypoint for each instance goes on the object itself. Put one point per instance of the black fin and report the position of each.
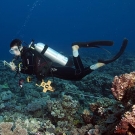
(122, 49)
(93, 44)
(104, 49)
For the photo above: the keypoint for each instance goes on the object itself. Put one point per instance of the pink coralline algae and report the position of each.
(127, 120)
(121, 84)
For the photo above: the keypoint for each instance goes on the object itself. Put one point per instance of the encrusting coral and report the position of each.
(127, 123)
(8, 128)
(121, 84)
(63, 110)
(123, 89)
(87, 117)
(101, 103)
(94, 131)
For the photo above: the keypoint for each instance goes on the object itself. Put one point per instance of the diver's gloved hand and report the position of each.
(12, 66)
(122, 49)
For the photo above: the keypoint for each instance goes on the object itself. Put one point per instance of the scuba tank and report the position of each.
(50, 53)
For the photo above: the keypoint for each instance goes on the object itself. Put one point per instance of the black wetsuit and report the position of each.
(34, 63)
(30, 61)
(70, 73)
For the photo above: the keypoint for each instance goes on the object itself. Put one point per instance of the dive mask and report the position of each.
(13, 50)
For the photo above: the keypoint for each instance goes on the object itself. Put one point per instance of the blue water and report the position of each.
(58, 23)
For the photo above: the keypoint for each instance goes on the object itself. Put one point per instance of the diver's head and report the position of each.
(16, 47)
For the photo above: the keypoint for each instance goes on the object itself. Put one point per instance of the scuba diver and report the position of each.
(38, 59)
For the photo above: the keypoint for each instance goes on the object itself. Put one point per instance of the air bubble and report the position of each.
(35, 4)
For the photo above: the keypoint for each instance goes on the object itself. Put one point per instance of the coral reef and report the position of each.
(102, 102)
(123, 89)
(121, 84)
(82, 130)
(63, 112)
(95, 131)
(7, 128)
(127, 123)
(87, 117)
(86, 107)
